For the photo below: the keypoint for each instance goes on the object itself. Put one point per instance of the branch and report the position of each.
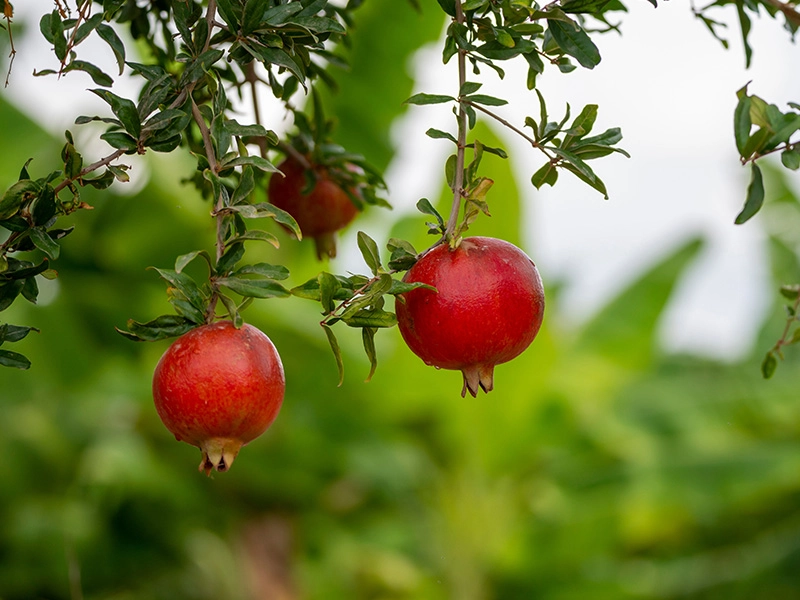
(505, 123)
(458, 183)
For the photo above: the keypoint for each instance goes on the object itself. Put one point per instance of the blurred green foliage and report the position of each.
(599, 468)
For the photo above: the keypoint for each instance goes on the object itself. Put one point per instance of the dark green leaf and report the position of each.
(421, 99)
(547, 174)
(233, 254)
(97, 75)
(487, 100)
(337, 353)
(112, 39)
(124, 109)
(573, 40)
(45, 243)
(14, 333)
(278, 272)
(425, 207)
(791, 158)
(120, 140)
(371, 318)
(254, 288)
(184, 285)
(755, 196)
(368, 339)
(438, 134)
(369, 250)
(768, 365)
(742, 123)
(254, 161)
(185, 259)
(14, 360)
(328, 286)
(9, 291)
(256, 234)
(160, 328)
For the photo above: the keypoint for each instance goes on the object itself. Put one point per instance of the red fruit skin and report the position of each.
(487, 309)
(218, 388)
(322, 212)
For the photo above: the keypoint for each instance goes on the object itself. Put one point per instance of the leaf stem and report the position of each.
(458, 181)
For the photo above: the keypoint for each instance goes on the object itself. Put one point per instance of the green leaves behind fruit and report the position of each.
(359, 301)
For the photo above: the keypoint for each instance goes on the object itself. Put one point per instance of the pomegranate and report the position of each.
(218, 387)
(321, 213)
(487, 309)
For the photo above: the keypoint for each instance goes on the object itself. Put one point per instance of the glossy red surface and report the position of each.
(487, 310)
(219, 382)
(326, 209)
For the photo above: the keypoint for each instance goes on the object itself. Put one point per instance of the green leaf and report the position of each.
(9, 292)
(370, 317)
(44, 242)
(120, 141)
(595, 182)
(267, 210)
(328, 286)
(487, 100)
(185, 259)
(547, 174)
(403, 255)
(401, 287)
(233, 254)
(337, 353)
(576, 162)
(110, 37)
(184, 285)
(254, 288)
(425, 207)
(742, 123)
(14, 333)
(584, 6)
(258, 235)
(368, 339)
(14, 360)
(768, 365)
(755, 196)
(756, 142)
(421, 99)
(254, 161)
(160, 328)
(438, 134)
(369, 250)
(124, 109)
(582, 125)
(791, 158)
(278, 272)
(573, 40)
(19, 194)
(97, 75)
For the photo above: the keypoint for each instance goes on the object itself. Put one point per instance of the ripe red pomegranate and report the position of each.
(487, 309)
(218, 388)
(321, 213)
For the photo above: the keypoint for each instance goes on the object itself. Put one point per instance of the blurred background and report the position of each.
(633, 451)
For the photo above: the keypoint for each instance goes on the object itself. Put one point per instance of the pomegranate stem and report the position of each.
(458, 180)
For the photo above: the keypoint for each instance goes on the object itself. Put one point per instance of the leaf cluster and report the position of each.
(358, 300)
(761, 129)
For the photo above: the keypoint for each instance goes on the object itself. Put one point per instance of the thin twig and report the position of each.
(505, 123)
(88, 169)
(13, 53)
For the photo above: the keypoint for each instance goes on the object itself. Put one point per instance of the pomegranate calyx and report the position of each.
(218, 454)
(477, 376)
(325, 245)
